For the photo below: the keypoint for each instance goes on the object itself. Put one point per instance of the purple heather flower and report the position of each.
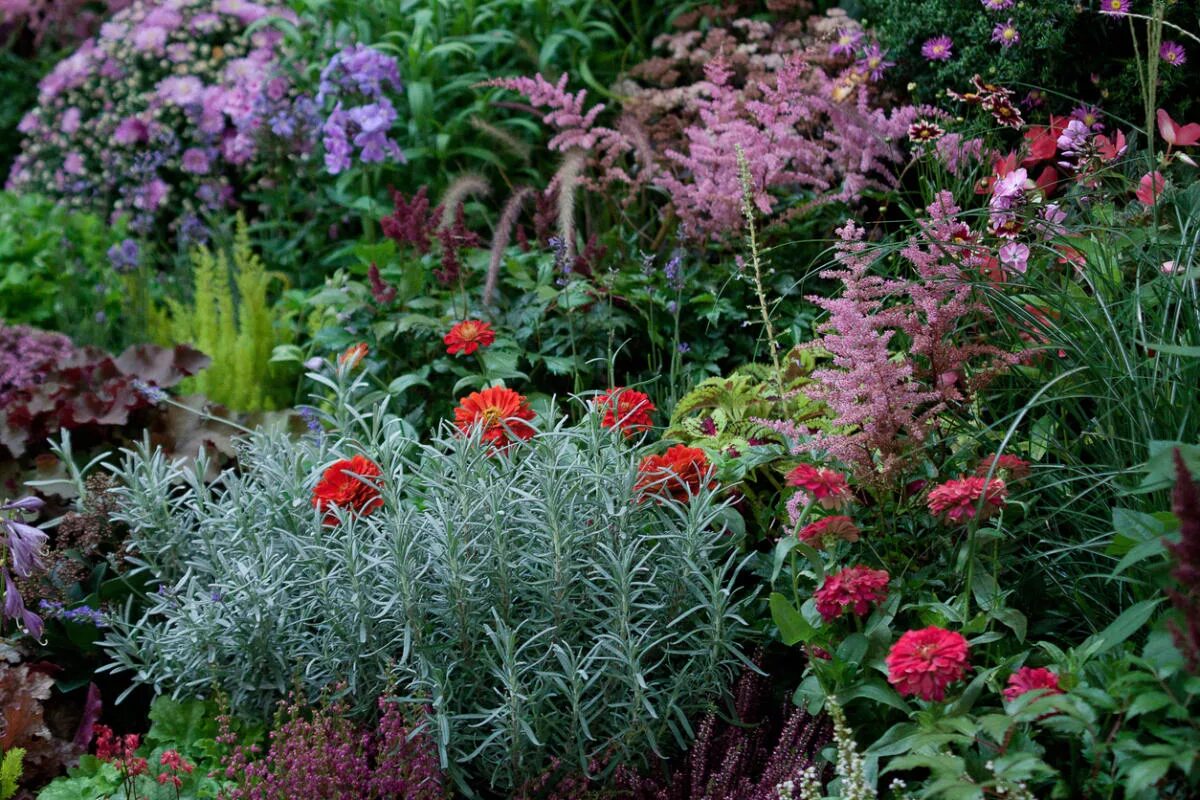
(124, 257)
(1114, 8)
(845, 43)
(1173, 53)
(194, 161)
(997, 5)
(1006, 34)
(874, 61)
(938, 48)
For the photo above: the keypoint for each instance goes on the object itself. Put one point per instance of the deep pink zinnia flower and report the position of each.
(1015, 466)
(938, 48)
(827, 530)
(854, 588)
(1028, 679)
(828, 488)
(1173, 53)
(1006, 34)
(1114, 8)
(958, 498)
(925, 662)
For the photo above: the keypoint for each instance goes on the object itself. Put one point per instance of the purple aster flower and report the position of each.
(131, 130)
(195, 161)
(182, 90)
(1090, 116)
(845, 43)
(1114, 8)
(1173, 53)
(874, 62)
(938, 48)
(1006, 34)
(997, 5)
(70, 120)
(124, 257)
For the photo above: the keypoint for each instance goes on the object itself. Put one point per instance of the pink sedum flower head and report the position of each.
(939, 48)
(958, 500)
(1031, 679)
(1006, 34)
(1114, 8)
(1173, 53)
(854, 588)
(923, 663)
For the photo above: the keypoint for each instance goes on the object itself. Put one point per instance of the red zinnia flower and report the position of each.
(342, 487)
(680, 473)
(354, 354)
(925, 662)
(1016, 468)
(824, 531)
(627, 409)
(854, 588)
(1028, 679)
(958, 498)
(468, 336)
(499, 411)
(830, 489)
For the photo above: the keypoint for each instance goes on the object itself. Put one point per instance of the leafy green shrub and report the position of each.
(532, 597)
(56, 270)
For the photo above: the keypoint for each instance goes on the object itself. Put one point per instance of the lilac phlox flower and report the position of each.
(124, 256)
(373, 121)
(874, 61)
(1051, 220)
(1015, 256)
(845, 43)
(939, 48)
(1072, 140)
(1009, 190)
(360, 69)
(1173, 53)
(1006, 34)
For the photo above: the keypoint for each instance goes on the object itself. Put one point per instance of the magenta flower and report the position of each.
(1015, 256)
(874, 61)
(1006, 34)
(845, 43)
(997, 5)
(194, 161)
(1173, 53)
(1114, 8)
(1090, 116)
(938, 48)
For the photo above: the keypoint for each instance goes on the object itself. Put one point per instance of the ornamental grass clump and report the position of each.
(526, 594)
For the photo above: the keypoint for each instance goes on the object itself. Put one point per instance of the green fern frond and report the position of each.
(11, 768)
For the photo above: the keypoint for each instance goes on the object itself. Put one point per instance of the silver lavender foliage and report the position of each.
(528, 598)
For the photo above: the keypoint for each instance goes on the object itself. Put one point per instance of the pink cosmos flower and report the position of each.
(958, 498)
(1150, 187)
(923, 663)
(1015, 256)
(1006, 34)
(854, 588)
(938, 48)
(1173, 53)
(1029, 679)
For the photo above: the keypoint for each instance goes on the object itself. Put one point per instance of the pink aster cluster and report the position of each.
(164, 113)
(854, 589)
(56, 23)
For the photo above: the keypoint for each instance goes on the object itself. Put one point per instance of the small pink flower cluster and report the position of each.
(163, 112)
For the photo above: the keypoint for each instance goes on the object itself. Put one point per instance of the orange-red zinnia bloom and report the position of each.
(925, 662)
(342, 487)
(468, 336)
(1028, 679)
(1016, 467)
(353, 355)
(627, 409)
(680, 473)
(498, 412)
(958, 499)
(828, 488)
(826, 530)
(853, 588)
